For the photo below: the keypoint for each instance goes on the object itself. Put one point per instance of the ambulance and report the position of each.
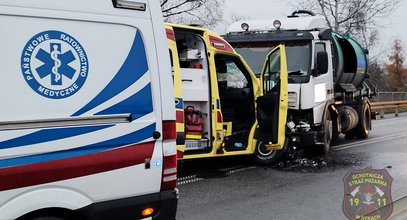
(222, 108)
(87, 120)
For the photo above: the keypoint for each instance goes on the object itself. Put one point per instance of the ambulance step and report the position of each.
(191, 145)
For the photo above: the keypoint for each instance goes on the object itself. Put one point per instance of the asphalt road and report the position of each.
(236, 188)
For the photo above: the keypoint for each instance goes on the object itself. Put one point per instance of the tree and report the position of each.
(359, 18)
(378, 77)
(200, 12)
(227, 21)
(396, 72)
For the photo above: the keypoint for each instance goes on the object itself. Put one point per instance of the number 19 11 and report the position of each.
(354, 201)
(381, 202)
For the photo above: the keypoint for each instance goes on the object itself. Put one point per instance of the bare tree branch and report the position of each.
(356, 17)
(203, 12)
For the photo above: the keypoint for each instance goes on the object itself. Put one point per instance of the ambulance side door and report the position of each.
(179, 102)
(272, 105)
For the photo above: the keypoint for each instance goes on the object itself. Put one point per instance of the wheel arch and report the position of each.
(60, 213)
(50, 199)
(330, 108)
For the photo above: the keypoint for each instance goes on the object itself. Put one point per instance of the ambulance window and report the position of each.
(271, 74)
(230, 71)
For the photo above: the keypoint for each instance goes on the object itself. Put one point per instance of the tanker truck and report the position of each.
(327, 95)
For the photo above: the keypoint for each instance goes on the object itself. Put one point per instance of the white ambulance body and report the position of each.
(87, 120)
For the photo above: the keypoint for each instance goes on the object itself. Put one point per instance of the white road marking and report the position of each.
(230, 170)
(370, 141)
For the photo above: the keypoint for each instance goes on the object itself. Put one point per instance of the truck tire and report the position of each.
(350, 135)
(365, 121)
(266, 157)
(335, 131)
(328, 129)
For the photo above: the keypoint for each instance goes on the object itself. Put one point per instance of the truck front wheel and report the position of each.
(328, 133)
(265, 156)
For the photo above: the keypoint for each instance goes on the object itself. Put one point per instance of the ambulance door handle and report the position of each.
(187, 80)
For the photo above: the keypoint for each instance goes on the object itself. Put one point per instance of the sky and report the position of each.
(395, 24)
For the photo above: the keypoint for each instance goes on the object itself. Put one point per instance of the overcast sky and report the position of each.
(263, 9)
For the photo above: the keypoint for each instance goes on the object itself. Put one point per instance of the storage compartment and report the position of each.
(198, 136)
(193, 123)
(195, 85)
(197, 145)
(195, 88)
(203, 107)
(191, 49)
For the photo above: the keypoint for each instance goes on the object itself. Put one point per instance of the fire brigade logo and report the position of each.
(54, 64)
(367, 194)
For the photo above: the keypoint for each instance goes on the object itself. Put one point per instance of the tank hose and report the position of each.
(295, 13)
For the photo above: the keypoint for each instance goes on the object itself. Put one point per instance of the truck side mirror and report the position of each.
(321, 63)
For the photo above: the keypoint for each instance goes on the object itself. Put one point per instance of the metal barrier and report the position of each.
(381, 106)
(390, 96)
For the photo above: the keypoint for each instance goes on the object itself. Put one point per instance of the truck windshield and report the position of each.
(298, 57)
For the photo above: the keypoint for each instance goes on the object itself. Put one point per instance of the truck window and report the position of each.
(298, 59)
(318, 48)
(298, 56)
(255, 57)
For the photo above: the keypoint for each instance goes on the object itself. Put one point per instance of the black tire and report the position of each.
(267, 157)
(365, 121)
(328, 128)
(350, 135)
(335, 131)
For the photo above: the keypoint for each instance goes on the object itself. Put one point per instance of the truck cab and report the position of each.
(219, 88)
(326, 71)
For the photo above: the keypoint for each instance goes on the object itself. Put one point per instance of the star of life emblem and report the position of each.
(54, 64)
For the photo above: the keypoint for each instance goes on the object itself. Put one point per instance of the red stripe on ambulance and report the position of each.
(170, 34)
(57, 170)
(220, 44)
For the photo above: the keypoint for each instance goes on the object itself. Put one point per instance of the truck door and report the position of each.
(272, 105)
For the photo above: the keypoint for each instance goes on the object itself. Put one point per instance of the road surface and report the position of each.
(236, 188)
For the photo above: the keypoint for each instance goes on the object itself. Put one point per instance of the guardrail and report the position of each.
(389, 96)
(382, 106)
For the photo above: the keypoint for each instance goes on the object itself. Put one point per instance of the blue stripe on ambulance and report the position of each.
(131, 138)
(139, 104)
(133, 68)
(49, 135)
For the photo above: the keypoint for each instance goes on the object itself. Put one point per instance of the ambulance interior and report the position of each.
(237, 101)
(195, 87)
(235, 91)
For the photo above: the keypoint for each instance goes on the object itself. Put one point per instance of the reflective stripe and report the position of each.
(170, 178)
(169, 171)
